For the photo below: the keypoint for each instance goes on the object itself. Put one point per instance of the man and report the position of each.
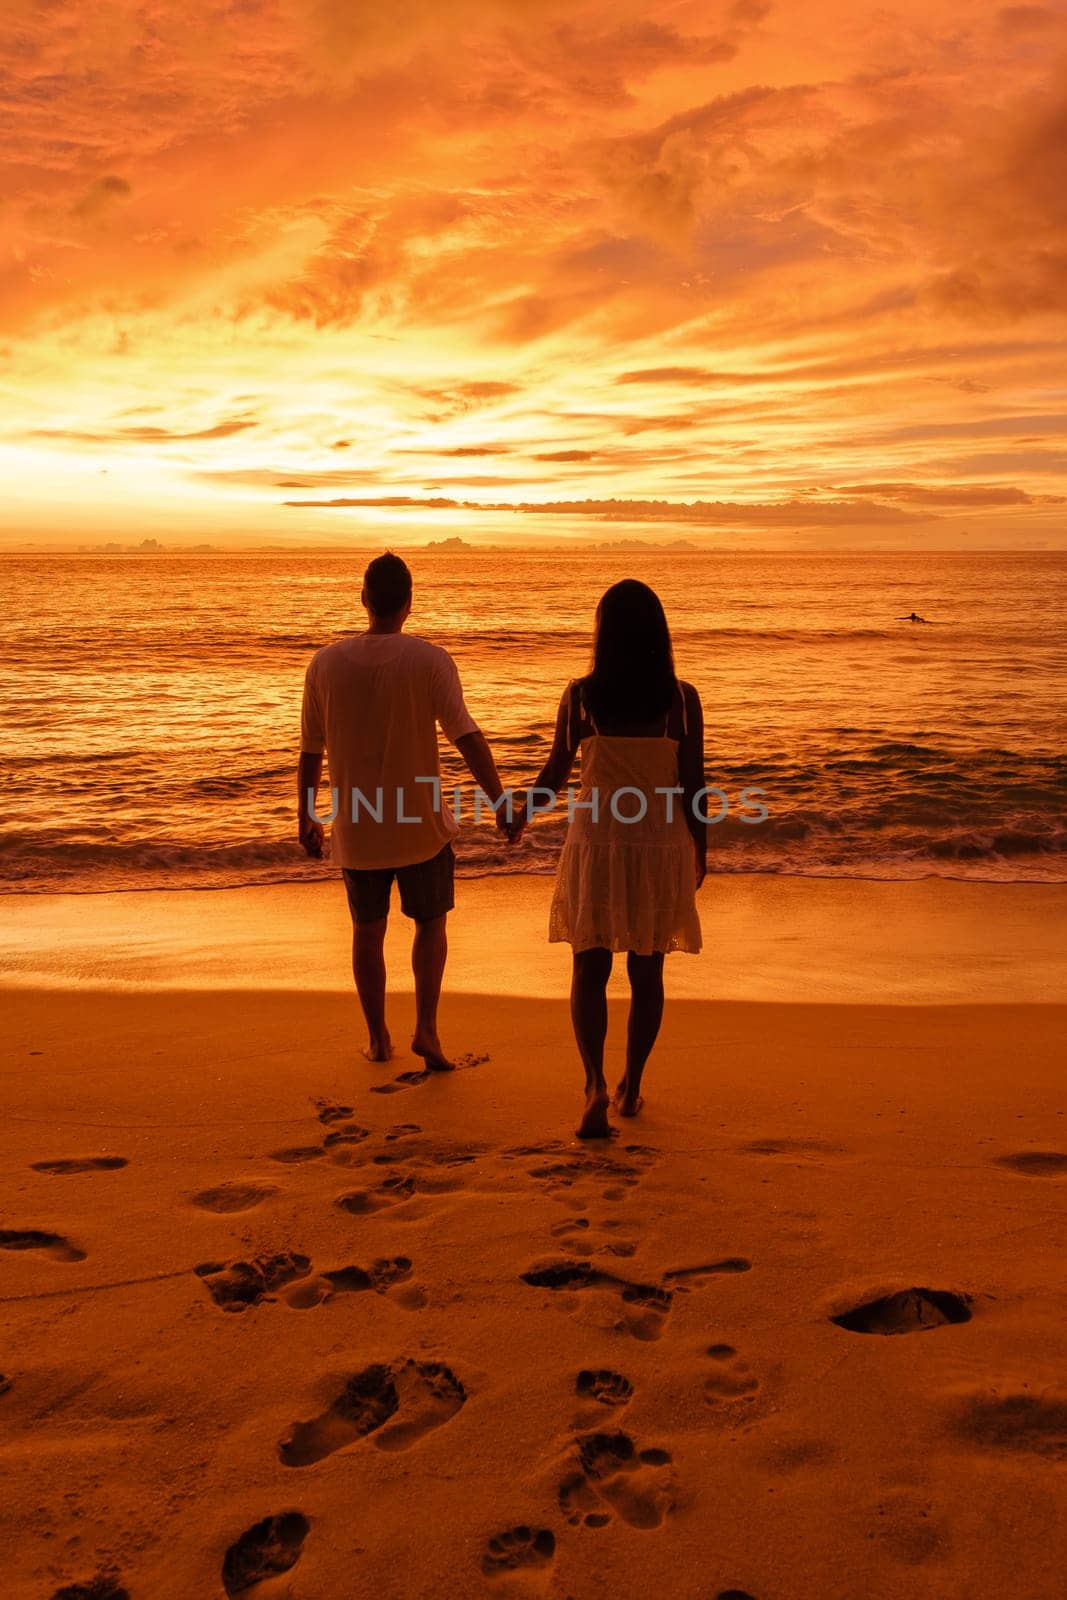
(373, 702)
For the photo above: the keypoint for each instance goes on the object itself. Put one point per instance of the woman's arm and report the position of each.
(557, 769)
(691, 777)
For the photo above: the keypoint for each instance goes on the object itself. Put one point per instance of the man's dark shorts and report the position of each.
(426, 889)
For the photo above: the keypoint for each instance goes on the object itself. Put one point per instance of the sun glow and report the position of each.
(725, 258)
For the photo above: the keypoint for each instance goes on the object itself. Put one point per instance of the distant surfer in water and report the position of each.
(912, 617)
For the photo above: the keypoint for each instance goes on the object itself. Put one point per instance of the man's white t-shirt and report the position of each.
(372, 703)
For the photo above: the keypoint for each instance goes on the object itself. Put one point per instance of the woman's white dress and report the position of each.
(627, 884)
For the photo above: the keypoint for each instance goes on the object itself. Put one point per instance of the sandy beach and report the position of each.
(448, 1349)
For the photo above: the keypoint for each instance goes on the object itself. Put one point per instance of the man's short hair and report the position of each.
(387, 585)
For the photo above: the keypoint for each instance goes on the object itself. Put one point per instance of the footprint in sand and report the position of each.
(564, 1173)
(382, 1276)
(227, 1198)
(574, 1233)
(731, 1379)
(49, 1244)
(411, 1079)
(611, 1476)
(1035, 1163)
(265, 1550)
(519, 1549)
(398, 1403)
(684, 1277)
(907, 1311)
(342, 1145)
(1013, 1419)
(401, 1130)
(74, 1164)
(394, 1191)
(236, 1285)
(105, 1586)
(347, 1133)
(422, 1153)
(575, 1236)
(330, 1111)
(646, 1304)
(342, 1135)
(607, 1388)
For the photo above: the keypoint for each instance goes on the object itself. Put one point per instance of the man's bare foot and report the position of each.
(428, 1046)
(379, 1049)
(594, 1123)
(625, 1103)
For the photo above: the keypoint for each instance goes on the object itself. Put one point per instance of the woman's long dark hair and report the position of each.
(632, 677)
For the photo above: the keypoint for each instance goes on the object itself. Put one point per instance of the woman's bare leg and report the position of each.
(646, 1013)
(589, 1014)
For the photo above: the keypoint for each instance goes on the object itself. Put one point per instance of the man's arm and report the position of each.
(309, 771)
(460, 727)
(474, 748)
(308, 777)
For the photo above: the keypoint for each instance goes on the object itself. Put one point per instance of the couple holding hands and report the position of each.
(636, 845)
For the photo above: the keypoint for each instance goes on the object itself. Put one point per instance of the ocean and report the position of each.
(151, 705)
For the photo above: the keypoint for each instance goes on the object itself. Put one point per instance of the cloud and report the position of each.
(669, 375)
(1023, 458)
(718, 513)
(976, 494)
(100, 196)
(459, 450)
(566, 455)
(1023, 425)
(145, 434)
(707, 249)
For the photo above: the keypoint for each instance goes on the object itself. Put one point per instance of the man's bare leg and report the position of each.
(429, 950)
(589, 1014)
(368, 969)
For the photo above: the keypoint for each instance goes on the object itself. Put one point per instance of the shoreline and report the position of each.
(466, 875)
(770, 938)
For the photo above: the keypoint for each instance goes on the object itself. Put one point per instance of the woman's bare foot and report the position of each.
(379, 1049)
(428, 1046)
(594, 1123)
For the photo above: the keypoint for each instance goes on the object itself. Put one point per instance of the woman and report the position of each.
(636, 848)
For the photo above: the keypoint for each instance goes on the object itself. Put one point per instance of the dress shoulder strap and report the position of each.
(577, 711)
(670, 712)
(586, 713)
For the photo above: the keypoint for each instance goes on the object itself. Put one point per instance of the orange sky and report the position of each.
(802, 267)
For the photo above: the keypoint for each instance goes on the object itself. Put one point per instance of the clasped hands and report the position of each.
(511, 827)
